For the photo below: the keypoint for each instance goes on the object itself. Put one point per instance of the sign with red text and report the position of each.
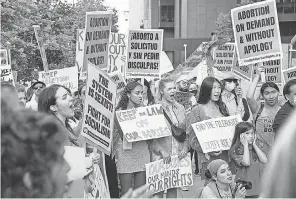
(161, 176)
(99, 107)
(216, 134)
(96, 45)
(143, 123)
(67, 77)
(273, 71)
(224, 57)
(143, 54)
(117, 52)
(256, 32)
(289, 74)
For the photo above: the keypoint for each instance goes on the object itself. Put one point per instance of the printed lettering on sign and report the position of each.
(243, 71)
(161, 176)
(79, 48)
(224, 57)
(143, 123)
(216, 134)
(273, 71)
(256, 32)
(289, 74)
(6, 74)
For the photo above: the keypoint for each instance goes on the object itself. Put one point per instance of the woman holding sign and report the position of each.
(132, 157)
(264, 113)
(209, 106)
(177, 144)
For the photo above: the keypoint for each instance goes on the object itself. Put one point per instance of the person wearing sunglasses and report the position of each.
(232, 97)
(37, 87)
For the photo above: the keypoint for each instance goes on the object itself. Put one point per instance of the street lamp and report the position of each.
(185, 46)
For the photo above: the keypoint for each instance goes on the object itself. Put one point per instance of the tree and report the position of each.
(224, 24)
(58, 23)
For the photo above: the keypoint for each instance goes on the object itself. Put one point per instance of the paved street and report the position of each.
(192, 190)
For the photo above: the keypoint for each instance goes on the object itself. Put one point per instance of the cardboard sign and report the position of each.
(256, 32)
(245, 72)
(183, 98)
(98, 117)
(6, 74)
(67, 77)
(117, 52)
(143, 54)
(144, 123)
(224, 57)
(117, 77)
(3, 57)
(216, 134)
(178, 173)
(80, 37)
(97, 32)
(289, 74)
(273, 71)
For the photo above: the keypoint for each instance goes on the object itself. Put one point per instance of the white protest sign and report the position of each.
(67, 77)
(143, 54)
(224, 57)
(3, 57)
(96, 45)
(216, 134)
(161, 176)
(117, 77)
(256, 32)
(80, 37)
(243, 71)
(117, 52)
(273, 71)
(165, 63)
(289, 74)
(143, 123)
(98, 117)
(6, 74)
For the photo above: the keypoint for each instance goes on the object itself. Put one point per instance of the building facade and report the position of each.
(191, 22)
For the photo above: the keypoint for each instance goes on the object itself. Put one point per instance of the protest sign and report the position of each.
(117, 77)
(289, 74)
(165, 63)
(183, 98)
(98, 117)
(224, 57)
(117, 52)
(256, 32)
(3, 57)
(143, 123)
(67, 77)
(216, 134)
(161, 176)
(80, 37)
(143, 54)
(273, 71)
(245, 72)
(6, 74)
(96, 44)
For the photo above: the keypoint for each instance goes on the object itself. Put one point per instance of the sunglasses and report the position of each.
(231, 80)
(38, 87)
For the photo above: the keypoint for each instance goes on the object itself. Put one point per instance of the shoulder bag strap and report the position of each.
(259, 113)
(167, 117)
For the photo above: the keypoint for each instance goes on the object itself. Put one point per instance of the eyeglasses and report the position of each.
(231, 80)
(38, 87)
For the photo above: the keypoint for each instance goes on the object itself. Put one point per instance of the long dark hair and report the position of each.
(233, 91)
(150, 97)
(123, 102)
(206, 91)
(268, 84)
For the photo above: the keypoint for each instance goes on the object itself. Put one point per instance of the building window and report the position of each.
(286, 6)
(288, 28)
(167, 13)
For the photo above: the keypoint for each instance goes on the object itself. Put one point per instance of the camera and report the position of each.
(246, 184)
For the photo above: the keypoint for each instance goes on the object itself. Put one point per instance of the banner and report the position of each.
(6, 74)
(216, 134)
(117, 52)
(67, 77)
(289, 74)
(224, 57)
(143, 123)
(178, 173)
(273, 71)
(98, 25)
(143, 54)
(117, 77)
(98, 117)
(256, 32)
(245, 72)
(80, 37)
(3, 57)
(183, 98)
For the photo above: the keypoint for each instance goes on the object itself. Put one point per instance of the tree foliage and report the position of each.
(224, 24)
(58, 23)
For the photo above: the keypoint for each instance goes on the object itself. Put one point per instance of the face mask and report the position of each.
(193, 92)
(230, 86)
